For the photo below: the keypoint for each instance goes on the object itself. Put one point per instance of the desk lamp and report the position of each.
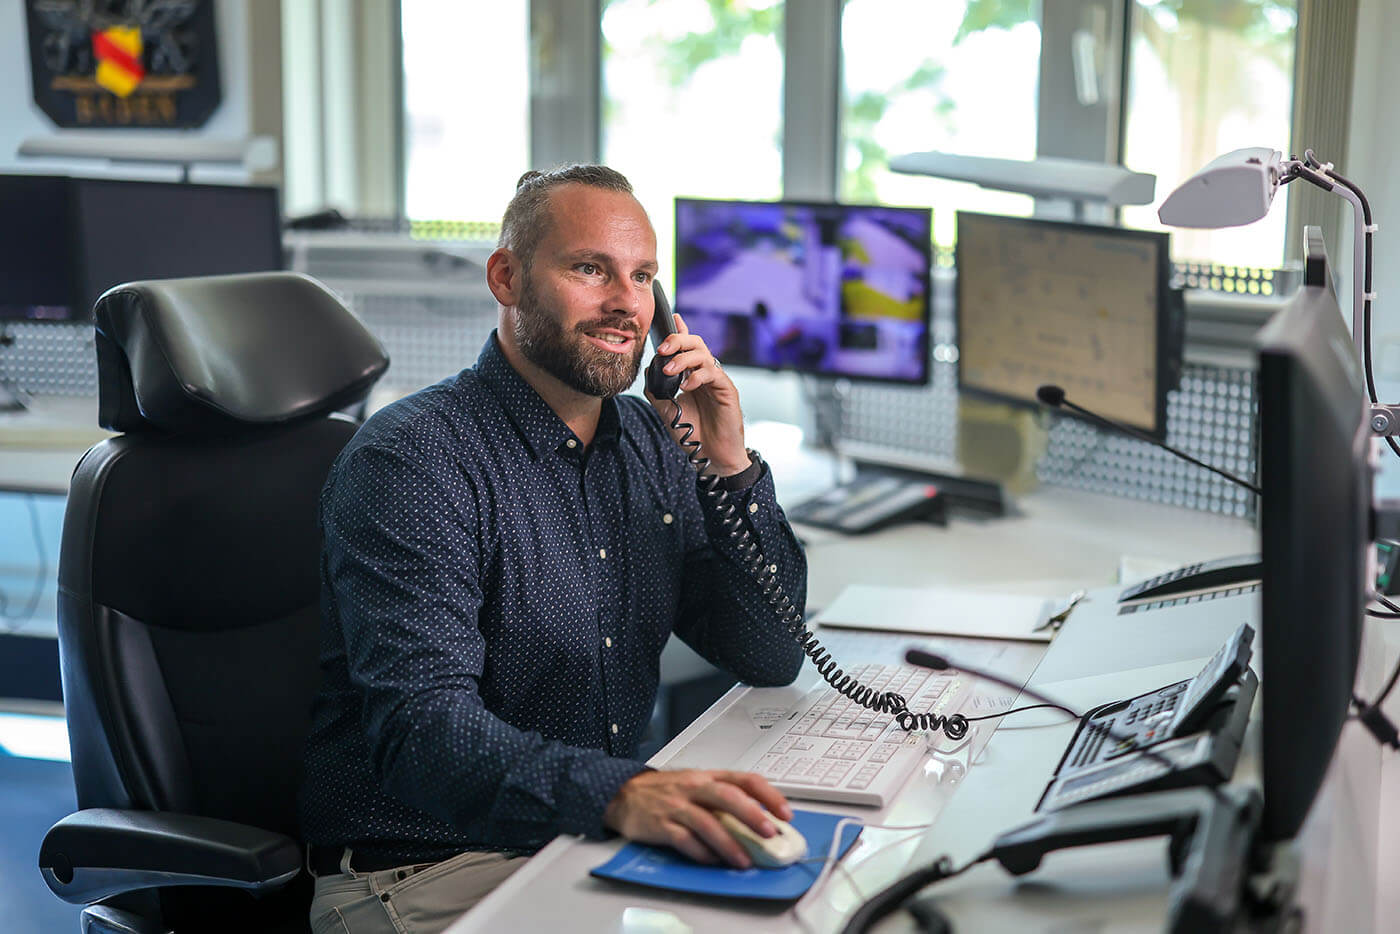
(1237, 189)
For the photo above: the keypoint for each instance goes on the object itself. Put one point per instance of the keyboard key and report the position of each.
(839, 769)
(883, 752)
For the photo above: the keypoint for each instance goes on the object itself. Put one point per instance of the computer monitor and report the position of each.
(67, 240)
(37, 250)
(831, 289)
(1083, 307)
(1316, 480)
(163, 230)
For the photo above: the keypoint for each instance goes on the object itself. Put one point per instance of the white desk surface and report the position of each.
(40, 447)
(1060, 540)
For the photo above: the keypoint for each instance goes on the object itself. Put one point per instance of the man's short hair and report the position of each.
(527, 217)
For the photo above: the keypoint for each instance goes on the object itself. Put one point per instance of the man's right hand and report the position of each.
(673, 808)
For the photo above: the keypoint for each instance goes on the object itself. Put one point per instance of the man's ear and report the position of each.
(505, 277)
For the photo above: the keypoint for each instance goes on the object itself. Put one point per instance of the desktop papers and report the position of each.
(940, 611)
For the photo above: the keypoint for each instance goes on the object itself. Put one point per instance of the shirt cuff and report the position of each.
(746, 477)
(591, 790)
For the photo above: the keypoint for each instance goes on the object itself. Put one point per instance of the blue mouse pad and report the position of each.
(664, 868)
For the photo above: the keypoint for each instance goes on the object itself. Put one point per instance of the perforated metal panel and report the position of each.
(432, 329)
(1212, 416)
(50, 358)
(427, 338)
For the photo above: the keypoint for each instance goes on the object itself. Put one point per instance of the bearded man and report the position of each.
(505, 554)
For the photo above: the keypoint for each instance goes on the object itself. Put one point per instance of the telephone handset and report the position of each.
(666, 386)
(663, 325)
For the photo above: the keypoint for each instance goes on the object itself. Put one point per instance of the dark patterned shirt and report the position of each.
(495, 600)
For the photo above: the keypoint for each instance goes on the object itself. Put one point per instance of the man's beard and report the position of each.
(568, 356)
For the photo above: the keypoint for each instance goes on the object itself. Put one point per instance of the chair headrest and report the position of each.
(210, 354)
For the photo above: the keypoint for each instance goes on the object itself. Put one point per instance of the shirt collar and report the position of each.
(543, 430)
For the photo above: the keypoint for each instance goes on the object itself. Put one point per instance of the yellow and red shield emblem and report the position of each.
(118, 53)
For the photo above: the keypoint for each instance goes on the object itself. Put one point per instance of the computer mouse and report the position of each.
(784, 848)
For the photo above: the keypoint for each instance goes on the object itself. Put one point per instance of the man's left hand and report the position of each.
(710, 400)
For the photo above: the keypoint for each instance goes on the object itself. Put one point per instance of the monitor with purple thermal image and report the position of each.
(831, 289)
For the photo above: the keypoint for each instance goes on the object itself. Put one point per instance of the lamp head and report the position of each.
(1234, 189)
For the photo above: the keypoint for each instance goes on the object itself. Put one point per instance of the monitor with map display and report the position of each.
(830, 289)
(1083, 307)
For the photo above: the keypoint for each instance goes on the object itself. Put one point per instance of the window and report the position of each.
(957, 77)
(692, 102)
(1200, 85)
(466, 108)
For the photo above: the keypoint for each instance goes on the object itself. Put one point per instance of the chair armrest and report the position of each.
(99, 852)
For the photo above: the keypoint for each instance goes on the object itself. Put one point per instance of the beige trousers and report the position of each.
(419, 899)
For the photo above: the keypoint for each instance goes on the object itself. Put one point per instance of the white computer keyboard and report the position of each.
(828, 748)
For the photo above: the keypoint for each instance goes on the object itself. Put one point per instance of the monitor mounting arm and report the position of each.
(1384, 419)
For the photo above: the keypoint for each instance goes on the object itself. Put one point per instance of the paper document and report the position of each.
(939, 611)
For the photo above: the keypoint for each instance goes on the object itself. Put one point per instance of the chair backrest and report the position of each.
(188, 575)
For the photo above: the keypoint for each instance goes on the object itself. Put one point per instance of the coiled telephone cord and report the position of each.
(764, 573)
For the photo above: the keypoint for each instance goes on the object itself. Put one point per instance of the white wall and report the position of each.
(1373, 152)
(21, 119)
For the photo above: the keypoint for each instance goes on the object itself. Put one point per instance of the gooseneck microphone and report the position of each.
(1054, 396)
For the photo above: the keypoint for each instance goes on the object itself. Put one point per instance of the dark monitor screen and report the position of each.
(831, 289)
(1079, 306)
(37, 272)
(159, 230)
(1316, 481)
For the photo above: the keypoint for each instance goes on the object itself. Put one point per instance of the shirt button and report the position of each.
(753, 508)
(668, 518)
(614, 729)
(602, 552)
(571, 443)
(607, 641)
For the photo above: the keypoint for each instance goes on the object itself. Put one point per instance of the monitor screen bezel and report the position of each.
(926, 339)
(1168, 356)
(1311, 627)
(82, 286)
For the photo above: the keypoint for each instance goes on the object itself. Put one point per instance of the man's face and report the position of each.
(586, 303)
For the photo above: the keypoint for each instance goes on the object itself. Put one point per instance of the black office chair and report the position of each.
(188, 599)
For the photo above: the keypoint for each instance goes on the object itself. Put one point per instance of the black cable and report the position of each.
(889, 899)
(1389, 686)
(1371, 715)
(955, 727)
(1387, 603)
(993, 716)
